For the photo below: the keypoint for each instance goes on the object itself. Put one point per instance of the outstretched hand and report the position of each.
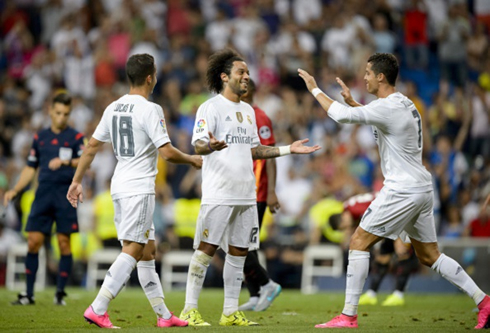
(309, 80)
(297, 147)
(196, 161)
(215, 144)
(345, 92)
(75, 193)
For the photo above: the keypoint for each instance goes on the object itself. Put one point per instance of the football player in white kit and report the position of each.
(225, 133)
(405, 204)
(136, 128)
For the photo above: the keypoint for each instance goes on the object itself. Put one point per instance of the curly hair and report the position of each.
(385, 63)
(220, 62)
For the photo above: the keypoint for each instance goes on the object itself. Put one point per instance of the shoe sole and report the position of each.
(90, 321)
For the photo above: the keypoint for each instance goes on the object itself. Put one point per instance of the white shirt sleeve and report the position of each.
(372, 114)
(205, 122)
(102, 132)
(155, 127)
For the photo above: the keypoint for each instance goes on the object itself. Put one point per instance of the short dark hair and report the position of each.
(138, 67)
(385, 63)
(62, 98)
(251, 87)
(220, 62)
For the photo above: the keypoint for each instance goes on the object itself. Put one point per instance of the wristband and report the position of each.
(209, 146)
(316, 91)
(284, 150)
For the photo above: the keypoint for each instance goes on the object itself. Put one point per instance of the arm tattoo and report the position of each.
(264, 152)
(201, 148)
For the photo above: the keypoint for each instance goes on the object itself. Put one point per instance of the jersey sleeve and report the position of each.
(205, 122)
(255, 135)
(372, 114)
(265, 132)
(79, 145)
(156, 128)
(102, 132)
(33, 158)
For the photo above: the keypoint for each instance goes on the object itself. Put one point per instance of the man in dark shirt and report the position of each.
(55, 151)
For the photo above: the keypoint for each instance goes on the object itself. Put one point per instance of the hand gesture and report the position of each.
(9, 196)
(309, 80)
(75, 193)
(55, 163)
(273, 202)
(196, 161)
(214, 144)
(345, 91)
(297, 147)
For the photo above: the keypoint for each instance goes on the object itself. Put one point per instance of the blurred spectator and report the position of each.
(480, 227)
(416, 38)
(384, 39)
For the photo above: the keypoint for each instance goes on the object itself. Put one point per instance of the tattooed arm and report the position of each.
(265, 152)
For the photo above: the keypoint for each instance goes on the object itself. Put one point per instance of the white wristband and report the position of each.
(284, 150)
(316, 91)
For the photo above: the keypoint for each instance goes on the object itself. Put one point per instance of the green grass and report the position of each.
(291, 312)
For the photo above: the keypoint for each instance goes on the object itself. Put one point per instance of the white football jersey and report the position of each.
(227, 175)
(136, 127)
(397, 128)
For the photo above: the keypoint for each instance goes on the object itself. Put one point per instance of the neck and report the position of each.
(57, 130)
(141, 90)
(385, 91)
(228, 94)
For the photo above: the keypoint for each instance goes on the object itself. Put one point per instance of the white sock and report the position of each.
(152, 286)
(254, 300)
(115, 279)
(233, 278)
(454, 273)
(195, 278)
(357, 272)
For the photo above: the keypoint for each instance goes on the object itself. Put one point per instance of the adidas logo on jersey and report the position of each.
(228, 118)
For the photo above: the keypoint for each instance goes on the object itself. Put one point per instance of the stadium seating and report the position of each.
(15, 279)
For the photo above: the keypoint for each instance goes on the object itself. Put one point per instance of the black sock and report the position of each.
(255, 275)
(32, 264)
(64, 271)
(379, 272)
(405, 268)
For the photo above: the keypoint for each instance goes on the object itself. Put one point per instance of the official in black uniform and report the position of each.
(55, 152)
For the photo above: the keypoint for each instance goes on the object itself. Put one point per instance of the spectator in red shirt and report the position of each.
(480, 227)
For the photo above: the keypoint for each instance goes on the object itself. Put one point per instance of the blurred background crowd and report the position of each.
(82, 46)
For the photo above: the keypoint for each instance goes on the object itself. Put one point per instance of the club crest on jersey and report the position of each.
(239, 117)
(205, 233)
(163, 125)
(249, 119)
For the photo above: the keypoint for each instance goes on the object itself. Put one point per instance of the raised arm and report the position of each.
(324, 100)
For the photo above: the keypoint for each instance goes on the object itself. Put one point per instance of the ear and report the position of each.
(224, 77)
(380, 77)
(149, 79)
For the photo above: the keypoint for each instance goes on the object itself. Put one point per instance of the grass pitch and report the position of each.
(291, 312)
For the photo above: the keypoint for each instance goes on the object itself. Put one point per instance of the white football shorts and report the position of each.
(394, 215)
(228, 225)
(133, 217)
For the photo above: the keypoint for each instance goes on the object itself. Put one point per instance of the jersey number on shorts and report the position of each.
(368, 211)
(416, 115)
(253, 235)
(125, 131)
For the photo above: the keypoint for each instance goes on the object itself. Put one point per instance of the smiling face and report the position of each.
(238, 79)
(371, 79)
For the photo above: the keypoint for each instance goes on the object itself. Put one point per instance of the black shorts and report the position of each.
(387, 246)
(50, 205)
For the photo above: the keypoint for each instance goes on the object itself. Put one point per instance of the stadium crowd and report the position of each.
(82, 46)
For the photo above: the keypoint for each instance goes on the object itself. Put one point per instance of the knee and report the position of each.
(33, 245)
(428, 259)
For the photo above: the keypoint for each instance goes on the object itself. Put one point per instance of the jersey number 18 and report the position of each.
(124, 131)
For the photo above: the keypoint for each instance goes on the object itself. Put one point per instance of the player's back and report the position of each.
(136, 128)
